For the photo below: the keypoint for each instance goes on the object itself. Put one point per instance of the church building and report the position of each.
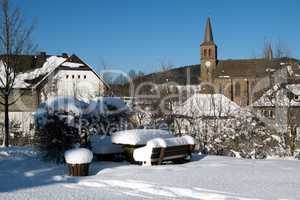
(236, 79)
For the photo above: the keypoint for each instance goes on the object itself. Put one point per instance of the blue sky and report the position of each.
(141, 34)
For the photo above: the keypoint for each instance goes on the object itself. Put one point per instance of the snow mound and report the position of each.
(103, 145)
(139, 136)
(16, 152)
(106, 106)
(78, 156)
(207, 105)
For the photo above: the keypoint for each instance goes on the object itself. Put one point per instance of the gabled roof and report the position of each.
(278, 95)
(33, 70)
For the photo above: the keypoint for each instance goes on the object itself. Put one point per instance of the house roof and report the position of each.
(278, 95)
(32, 70)
(251, 68)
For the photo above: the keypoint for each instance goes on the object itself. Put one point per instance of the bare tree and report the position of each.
(279, 50)
(14, 40)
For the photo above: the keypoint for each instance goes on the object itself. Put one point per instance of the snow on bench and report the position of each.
(159, 149)
(138, 137)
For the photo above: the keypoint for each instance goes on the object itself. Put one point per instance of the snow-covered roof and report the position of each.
(34, 77)
(294, 88)
(277, 96)
(51, 63)
(212, 105)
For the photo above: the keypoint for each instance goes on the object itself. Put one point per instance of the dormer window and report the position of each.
(296, 98)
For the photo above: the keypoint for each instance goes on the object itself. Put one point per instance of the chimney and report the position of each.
(64, 55)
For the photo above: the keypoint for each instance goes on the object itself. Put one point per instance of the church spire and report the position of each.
(208, 36)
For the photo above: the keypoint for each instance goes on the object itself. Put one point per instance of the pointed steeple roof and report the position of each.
(208, 36)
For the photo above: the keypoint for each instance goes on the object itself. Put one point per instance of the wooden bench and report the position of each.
(171, 153)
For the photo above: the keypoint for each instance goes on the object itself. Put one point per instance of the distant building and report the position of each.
(236, 79)
(40, 77)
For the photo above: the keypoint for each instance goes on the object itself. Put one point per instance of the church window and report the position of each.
(209, 52)
(237, 89)
(205, 52)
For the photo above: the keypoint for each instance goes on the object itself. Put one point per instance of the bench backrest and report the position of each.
(172, 152)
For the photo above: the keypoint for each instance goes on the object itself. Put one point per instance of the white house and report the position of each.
(40, 77)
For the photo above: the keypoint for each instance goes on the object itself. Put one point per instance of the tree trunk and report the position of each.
(6, 123)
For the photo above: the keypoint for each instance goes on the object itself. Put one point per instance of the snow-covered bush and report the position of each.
(60, 120)
(78, 156)
(57, 126)
(241, 136)
(55, 137)
(105, 115)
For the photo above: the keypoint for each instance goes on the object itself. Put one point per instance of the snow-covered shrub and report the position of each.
(241, 135)
(78, 156)
(105, 115)
(57, 126)
(55, 137)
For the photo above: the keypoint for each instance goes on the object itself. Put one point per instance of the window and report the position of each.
(271, 114)
(73, 76)
(84, 76)
(209, 52)
(298, 133)
(78, 76)
(296, 98)
(237, 89)
(266, 113)
(67, 76)
(205, 52)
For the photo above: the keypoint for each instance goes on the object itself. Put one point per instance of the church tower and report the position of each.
(208, 54)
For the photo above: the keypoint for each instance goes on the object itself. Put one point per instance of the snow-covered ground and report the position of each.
(23, 176)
